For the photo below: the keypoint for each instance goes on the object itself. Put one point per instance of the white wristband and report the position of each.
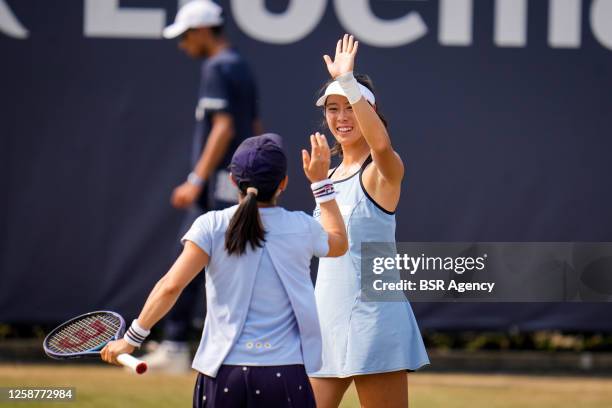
(323, 191)
(139, 329)
(318, 184)
(131, 342)
(350, 86)
(326, 198)
(194, 179)
(135, 335)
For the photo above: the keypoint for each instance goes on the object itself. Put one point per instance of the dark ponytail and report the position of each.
(364, 80)
(245, 227)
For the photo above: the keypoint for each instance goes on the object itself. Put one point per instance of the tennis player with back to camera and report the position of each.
(261, 335)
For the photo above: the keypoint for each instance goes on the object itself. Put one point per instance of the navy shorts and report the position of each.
(254, 387)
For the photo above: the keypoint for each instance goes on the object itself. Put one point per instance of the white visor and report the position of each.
(335, 89)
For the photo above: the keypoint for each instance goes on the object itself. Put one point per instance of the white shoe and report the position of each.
(169, 357)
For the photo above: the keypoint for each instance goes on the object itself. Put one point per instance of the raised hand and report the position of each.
(316, 164)
(344, 60)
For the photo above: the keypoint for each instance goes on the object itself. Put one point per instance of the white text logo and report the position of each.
(106, 19)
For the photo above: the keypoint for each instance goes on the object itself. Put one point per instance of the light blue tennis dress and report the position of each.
(362, 337)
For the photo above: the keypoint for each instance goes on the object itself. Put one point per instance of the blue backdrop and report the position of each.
(499, 108)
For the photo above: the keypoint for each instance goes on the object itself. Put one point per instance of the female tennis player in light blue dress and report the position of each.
(372, 343)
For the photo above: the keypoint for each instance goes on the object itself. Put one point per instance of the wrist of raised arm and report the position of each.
(195, 180)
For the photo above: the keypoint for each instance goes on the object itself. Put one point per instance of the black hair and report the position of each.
(217, 31)
(364, 80)
(245, 226)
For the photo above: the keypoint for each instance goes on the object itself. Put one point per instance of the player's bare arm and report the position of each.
(163, 296)
(383, 179)
(217, 144)
(316, 166)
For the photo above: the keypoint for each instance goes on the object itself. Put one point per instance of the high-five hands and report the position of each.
(344, 60)
(316, 164)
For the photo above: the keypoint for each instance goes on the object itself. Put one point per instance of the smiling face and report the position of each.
(341, 120)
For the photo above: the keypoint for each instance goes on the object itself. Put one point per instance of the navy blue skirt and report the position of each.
(254, 387)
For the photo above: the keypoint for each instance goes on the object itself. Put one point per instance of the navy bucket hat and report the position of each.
(260, 162)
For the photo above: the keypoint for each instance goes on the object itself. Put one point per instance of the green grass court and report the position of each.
(110, 387)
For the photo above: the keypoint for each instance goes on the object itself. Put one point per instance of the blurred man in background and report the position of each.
(226, 114)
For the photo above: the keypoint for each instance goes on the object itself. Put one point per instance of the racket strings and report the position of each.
(85, 334)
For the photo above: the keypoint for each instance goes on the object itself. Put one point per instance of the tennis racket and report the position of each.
(86, 335)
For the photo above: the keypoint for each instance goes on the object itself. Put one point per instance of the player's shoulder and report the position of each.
(297, 221)
(298, 214)
(225, 214)
(217, 219)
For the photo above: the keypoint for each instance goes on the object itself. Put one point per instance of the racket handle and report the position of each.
(139, 366)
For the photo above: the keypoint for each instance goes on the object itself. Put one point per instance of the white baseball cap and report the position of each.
(335, 89)
(195, 14)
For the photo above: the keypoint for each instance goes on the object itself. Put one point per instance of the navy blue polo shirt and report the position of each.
(226, 85)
